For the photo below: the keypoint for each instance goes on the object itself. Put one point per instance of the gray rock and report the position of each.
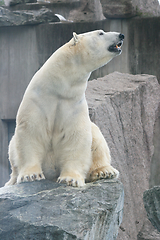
(48, 210)
(155, 164)
(118, 8)
(24, 17)
(124, 107)
(151, 200)
(148, 232)
(14, 2)
(147, 7)
(130, 8)
(90, 10)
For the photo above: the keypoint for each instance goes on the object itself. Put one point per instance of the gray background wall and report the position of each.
(23, 50)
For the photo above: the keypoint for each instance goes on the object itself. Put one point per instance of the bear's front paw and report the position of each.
(107, 172)
(30, 177)
(71, 181)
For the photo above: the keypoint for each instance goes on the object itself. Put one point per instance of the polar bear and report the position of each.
(54, 136)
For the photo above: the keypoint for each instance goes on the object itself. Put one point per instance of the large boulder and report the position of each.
(151, 200)
(147, 7)
(89, 10)
(14, 2)
(155, 164)
(47, 210)
(25, 17)
(118, 8)
(148, 232)
(124, 107)
(130, 8)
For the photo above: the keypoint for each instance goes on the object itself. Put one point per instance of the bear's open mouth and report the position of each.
(116, 47)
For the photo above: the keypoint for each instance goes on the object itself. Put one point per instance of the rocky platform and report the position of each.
(47, 210)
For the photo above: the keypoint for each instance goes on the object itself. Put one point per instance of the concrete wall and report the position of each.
(24, 50)
(144, 37)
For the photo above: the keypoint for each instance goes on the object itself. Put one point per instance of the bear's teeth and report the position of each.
(118, 46)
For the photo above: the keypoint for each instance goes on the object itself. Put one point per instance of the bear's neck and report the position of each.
(69, 79)
(67, 64)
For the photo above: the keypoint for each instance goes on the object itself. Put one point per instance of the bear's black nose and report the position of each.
(121, 36)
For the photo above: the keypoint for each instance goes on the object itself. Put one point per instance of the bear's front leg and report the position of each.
(28, 156)
(75, 158)
(71, 178)
(101, 159)
(30, 173)
(74, 151)
(74, 169)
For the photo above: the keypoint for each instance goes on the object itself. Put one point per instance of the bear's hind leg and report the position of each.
(12, 159)
(101, 159)
(13, 178)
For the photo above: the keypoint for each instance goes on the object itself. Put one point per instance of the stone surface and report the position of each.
(130, 8)
(151, 200)
(148, 232)
(90, 10)
(118, 8)
(155, 164)
(24, 17)
(47, 210)
(14, 2)
(147, 7)
(124, 107)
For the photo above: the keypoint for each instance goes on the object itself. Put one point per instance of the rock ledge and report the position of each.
(48, 210)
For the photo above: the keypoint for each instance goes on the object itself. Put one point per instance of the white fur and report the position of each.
(54, 136)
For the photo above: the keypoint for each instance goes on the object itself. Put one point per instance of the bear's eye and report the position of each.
(101, 33)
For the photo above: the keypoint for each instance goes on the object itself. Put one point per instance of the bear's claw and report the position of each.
(30, 177)
(107, 172)
(71, 181)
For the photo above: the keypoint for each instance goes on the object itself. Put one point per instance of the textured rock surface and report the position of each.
(155, 164)
(148, 232)
(129, 8)
(14, 2)
(48, 210)
(90, 10)
(151, 200)
(147, 7)
(24, 17)
(124, 107)
(118, 8)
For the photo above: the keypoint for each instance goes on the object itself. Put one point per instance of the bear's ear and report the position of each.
(75, 38)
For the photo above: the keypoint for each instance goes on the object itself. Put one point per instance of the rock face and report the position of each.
(148, 232)
(24, 17)
(47, 210)
(14, 2)
(124, 107)
(90, 10)
(151, 200)
(118, 9)
(130, 8)
(155, 164)
(147, 7)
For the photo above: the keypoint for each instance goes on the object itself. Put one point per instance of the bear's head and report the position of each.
(97, 48)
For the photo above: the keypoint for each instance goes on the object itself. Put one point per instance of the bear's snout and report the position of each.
(121, 36)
